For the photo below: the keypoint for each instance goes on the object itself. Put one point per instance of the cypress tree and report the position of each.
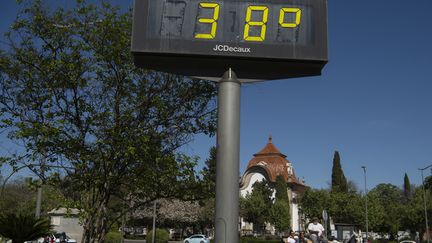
(407, 188)
(339, 182)
(280, 210)
(281, 189)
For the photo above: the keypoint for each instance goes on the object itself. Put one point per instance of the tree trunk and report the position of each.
(96, 223)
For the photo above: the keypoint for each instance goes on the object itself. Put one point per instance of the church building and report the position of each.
(267, 165)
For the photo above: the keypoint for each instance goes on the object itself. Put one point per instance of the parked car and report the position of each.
(197, 239)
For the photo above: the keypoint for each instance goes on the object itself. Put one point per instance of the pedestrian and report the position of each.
(302, 238)
(291, 237)
(316, 230)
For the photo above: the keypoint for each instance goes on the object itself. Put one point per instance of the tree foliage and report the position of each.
(70, 93)
(209, 174)
(20, 196)
(314, 201)
(21, 227)
(338, 182)
(375, 212)
(208, 192)
(412, 216)
(280, 215)
(341, 207)
(346, 208)
(255, 207)
(386, 211)
(407, 189)
(428, 183)
(161, 236)
(391, 198)
(281, 189)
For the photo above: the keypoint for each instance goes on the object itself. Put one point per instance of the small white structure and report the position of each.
(66, 220)
(268, 164)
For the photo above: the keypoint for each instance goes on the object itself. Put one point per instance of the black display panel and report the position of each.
(258, 39)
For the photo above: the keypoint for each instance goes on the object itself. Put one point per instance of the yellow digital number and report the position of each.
(261, 23)
(212, 21)
(282, 12)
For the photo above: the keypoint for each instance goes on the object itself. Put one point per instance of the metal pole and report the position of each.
(154, 222)
(424, 203)
(39, 189)
(42, 169)
(228, 157)
(38, 201)
(366, 205)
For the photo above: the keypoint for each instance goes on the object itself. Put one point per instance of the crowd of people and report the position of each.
(314, 234)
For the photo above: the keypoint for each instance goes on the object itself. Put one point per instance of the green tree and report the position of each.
(376, 213)
(20, 196)
(407, 189)
(346, 207)
(70, 92)
(352, 187)
(281, 189)
(23, 227)
(390, 197)
(17, 197)
(209, 174)
(255, 207)
(161, 236)
(413, 212)
(314, 201)
(206, 214)
(263, 188)
(338, 182)
(280, 216)
(428, 183)
(208, 193)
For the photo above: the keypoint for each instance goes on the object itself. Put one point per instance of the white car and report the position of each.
(197, 239)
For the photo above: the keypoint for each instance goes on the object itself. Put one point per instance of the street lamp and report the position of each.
(366, 203)
(424, 201)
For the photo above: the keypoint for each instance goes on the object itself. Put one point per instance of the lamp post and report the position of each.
(366, 203)
(154, 222)
(424, 202)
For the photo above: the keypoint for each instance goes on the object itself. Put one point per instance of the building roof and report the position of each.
(270, 149)
(274, 163)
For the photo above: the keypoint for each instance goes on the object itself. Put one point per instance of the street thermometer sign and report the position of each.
(255, 39)
(259, 39)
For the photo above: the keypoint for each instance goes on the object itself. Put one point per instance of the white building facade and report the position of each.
(268, 164)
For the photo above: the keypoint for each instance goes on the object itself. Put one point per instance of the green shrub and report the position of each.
(113, 237)
(134, 237)
(162, 236)
(23, 227)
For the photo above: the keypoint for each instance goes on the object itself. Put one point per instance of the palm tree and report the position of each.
(23, 227)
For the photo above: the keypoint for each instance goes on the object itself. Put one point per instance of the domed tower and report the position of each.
(267, 165)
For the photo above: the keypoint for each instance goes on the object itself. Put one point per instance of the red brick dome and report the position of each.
(274, 163)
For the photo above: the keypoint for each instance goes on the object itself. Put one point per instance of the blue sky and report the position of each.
(372, 102)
